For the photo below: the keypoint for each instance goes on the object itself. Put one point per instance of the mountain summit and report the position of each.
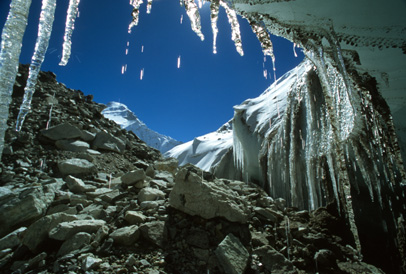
(123, 116)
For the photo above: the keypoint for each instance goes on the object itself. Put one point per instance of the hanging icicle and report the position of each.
(141, 74)
(11, 42)
(69, 27)
(44, 33)
(149, 6)
(179, 61)
(135, 13)
(214, 13)
(194, 16)
(235, 27)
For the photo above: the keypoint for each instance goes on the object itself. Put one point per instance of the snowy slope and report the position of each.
(123, 116)
(205, 151)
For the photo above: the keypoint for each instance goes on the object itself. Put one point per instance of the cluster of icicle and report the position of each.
(12, 35)
(333, 138)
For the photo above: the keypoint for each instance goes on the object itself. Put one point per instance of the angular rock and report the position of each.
(62, 131)
(106, 141)
(90, 262)
(65, 230)
(274, 261)
(170, 165)
(232, 255)
(150, 194)
(76, 185)
(268, 215)
(126, 235)
(13, 239)
(72, 145)
(134, 217)
(38, 231)
(76, 242)
(133, 177)
(76, 166)
(26, 206)
(206, 199)
(155, 232)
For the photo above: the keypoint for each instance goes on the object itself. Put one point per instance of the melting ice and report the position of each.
(69, 26)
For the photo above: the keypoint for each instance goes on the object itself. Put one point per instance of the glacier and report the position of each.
(330, 131)
(124, 117)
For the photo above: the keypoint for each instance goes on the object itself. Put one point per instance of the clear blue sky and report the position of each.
(182, 103)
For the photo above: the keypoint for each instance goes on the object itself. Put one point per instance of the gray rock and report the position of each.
(87, 136)
(90, 262)
(232, 255)
(268, 214)
(207, 199)
(94, 210)
(126, 235)
(155, 232)
(106, 141)
(62, 131)
(38, 231)
(76, 166)
(151, 204)
(134, 217)
(170, 165)
(76, 185)
(133, 177)
(274, 261)
(66, 230)
(27, 205)
(5, 194)
(72, 145)
(13, 239)
(76, 242)
(150, 194)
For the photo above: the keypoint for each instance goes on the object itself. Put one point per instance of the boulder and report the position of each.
(134, 217)
(76, 242)
(155, 232)
(62, 131)
(106, 141)
(207, 199)
(76, 166)
(72, 145)
(65, 230)
(38, 232)
(150, 194)
(232, 255)
(133, 177)
(170, 165)
(274, 261)
(76, 185)
(13, 239)
(127, 235)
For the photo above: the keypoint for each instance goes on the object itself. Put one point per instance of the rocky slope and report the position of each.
(84, 196)
(123, 116)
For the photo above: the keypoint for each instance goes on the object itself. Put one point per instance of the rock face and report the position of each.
(137, 212)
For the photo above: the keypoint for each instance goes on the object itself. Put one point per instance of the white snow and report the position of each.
(123, 116)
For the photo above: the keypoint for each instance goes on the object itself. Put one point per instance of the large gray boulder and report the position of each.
(26, 205)
(62, 131)
(155, 232)
(65, 230)
(232, 255)
(72, 145)
(76, 166)
(127, 235)
(150, 194)
(106, 141)
(207, 199)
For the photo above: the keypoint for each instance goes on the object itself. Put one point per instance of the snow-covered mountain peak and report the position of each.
(123, 116)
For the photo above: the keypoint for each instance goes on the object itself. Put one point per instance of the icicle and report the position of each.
(294, 49)
(235, 27)
(149, 6)
(142, 49)
(69, 26)
(142, 74)
(135, 13)
(200, 3)
(265, 40)
(11, 42)
(214, 13)
(181, 19)
(50, 113)
(41, 46)
(122, 69)
(179, 61)
(194, 16)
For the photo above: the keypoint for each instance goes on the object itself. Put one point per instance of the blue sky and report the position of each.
(183, 103)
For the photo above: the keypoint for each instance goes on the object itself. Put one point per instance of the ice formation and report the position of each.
(69, 27)
(135, 13)
(149, 6)
(194, 16)
(41, 46)
(235, 27)
(11, 42)
(214, 13)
